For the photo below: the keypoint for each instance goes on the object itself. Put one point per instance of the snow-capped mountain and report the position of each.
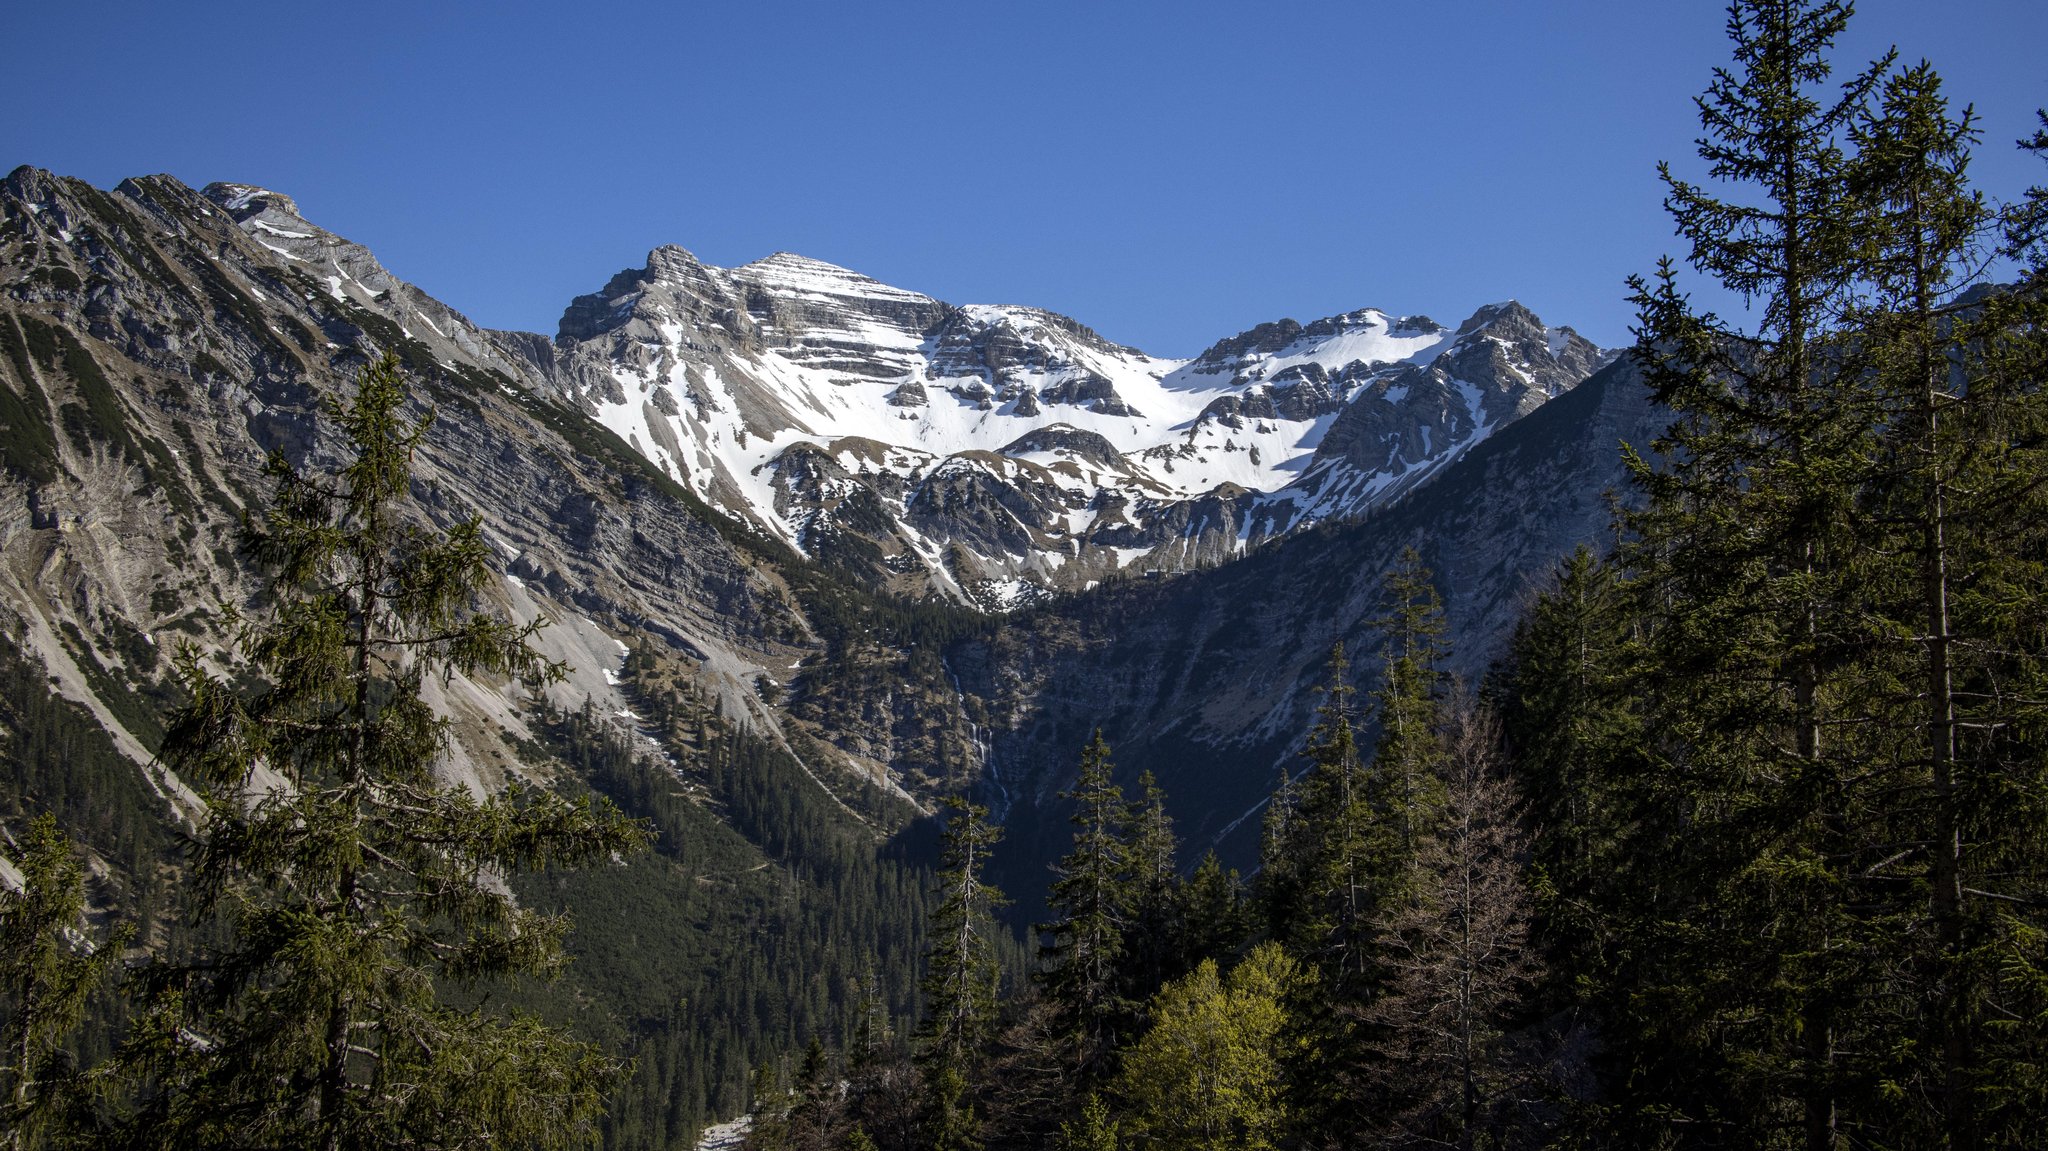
(990, 453)
(995, 452)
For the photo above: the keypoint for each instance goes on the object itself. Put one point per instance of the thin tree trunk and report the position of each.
(1958, 1119)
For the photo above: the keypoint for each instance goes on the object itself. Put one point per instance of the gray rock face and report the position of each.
(1066, 441)
(1407, 422)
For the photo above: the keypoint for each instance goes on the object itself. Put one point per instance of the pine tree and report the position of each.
(1218, 914)
(349, 884)
(1574, 725)
(46, 980)
(1080, 960)
(1407, 701)
(1322, 886)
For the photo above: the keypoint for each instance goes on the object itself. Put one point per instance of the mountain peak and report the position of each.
(244, 200)
(671, 262)
(803, 275)
(1490, 314)
(797, 261)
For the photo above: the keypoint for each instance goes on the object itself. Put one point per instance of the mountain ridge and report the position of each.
(716, 375)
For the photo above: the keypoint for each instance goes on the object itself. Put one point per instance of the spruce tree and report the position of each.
(1080, 960)
(1155, 896)
(1957, 487)
(1218, 916)
(1408, 756)
(1574, 726)
(1746, 554)
(1322, 882)
(349, 884)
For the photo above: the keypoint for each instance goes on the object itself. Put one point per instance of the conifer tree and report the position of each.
(46, 980)
(1745, 555)
(1322, 887)
(1218, 920)
(1407, 758)
(351, 884)
(961, 981)
(1574, 725)
(1155, 896)
(1080, 960)
(1958, 487)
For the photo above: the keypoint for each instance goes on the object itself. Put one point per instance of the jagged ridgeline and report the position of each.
(776, 515)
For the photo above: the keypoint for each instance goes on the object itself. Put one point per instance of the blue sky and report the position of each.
(1170, 173)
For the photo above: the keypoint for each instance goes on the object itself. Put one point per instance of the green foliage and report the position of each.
(1094, 1130)
(1407, 760)
(1089, 901)
(45, 980)
(1210, 1072)
(1785, 743)
(1156, 899)
(27, 446)
(708, 956)
(56, 759)
(353, 884)
(961, 979)
(962, 976)
(1219, 913)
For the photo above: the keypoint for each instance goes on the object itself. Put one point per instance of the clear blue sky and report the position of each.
(1169, 173)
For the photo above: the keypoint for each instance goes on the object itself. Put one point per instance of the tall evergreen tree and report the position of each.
(351, 885)
(1574, 726)
(1406, 760)
(1155, 895)
(1084, 947)
(961, 981)
(1745, 553)
(1320, 886)
(1218, 915)
(1957, 487)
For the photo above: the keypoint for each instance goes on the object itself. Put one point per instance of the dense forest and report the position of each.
(1743, 843)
